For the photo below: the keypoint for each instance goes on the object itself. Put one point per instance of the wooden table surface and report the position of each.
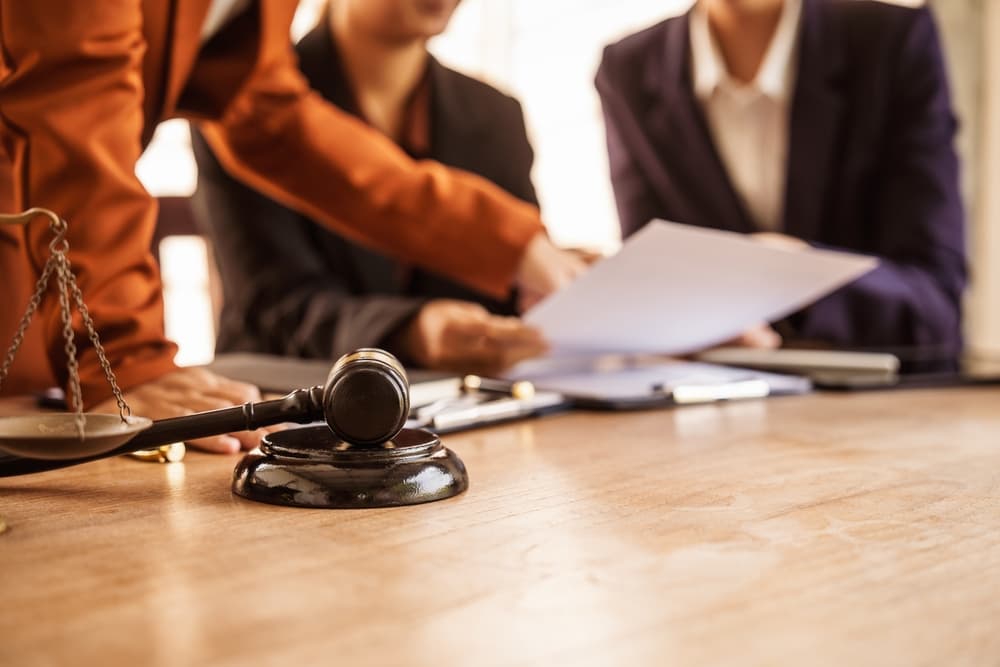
(829, 529)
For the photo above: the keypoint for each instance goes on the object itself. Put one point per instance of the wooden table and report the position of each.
(830, 529)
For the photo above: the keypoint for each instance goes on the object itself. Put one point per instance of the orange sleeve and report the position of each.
(286, 141)
(71, 122)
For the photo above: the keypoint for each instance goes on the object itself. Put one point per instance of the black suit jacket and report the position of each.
(294, 288)
(872, 166)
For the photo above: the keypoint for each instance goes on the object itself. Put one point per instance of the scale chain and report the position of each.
(123, 408)
(33, 304)
(72, 366)
(58, 263)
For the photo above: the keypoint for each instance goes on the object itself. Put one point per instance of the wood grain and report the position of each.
(828, 529)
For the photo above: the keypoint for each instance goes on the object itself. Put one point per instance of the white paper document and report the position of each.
(675, 289)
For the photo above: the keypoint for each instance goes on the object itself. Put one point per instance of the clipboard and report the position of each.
(639, 383)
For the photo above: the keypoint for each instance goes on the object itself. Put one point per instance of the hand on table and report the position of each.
(190, 390)
(462, 336)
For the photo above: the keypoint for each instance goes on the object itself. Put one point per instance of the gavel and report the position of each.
(365, 402)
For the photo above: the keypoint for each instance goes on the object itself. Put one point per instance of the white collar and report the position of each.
(777, 71)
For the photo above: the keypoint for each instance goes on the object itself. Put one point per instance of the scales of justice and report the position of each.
(361, 457)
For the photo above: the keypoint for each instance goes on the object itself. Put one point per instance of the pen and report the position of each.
(426, 413)
(521, 389)
(503, 408)
(494, 411)
(707, 393)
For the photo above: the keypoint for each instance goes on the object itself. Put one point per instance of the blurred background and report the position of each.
(546, 54)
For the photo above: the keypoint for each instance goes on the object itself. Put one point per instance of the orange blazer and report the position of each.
(82, 87)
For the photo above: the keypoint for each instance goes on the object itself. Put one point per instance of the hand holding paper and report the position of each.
(676, 289)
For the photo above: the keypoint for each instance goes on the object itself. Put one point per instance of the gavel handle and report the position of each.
(302, 407)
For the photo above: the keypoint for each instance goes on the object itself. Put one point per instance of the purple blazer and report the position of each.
(872, 166)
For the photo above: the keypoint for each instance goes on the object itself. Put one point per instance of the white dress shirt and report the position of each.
(221, 12)
(749, 122)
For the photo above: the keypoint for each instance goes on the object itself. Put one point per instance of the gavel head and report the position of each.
(366, 398)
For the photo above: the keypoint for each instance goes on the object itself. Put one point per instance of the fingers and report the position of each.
(761, 336)
(498, 359)
(503, 331)
(545, 268)
(493, 343)
(220, 444)
(204, 382)
(249, 439)
(461, 336)
(198, 402)
(512, 332)
(233, 443)
(526, 300)
(191, 390)
(780, 241)
(586, 255)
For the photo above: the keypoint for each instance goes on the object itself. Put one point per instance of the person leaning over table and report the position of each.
(825, 122)
(83, 86)
(293, 287)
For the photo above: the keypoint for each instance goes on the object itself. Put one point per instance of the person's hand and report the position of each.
(780, 241)
(761, 336)
(586, 255)
(190, 390)
(464, 337)
(545, 269)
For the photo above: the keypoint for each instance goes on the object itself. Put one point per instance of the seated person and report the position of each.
(80, 98)
(806, 121)
(293, 287)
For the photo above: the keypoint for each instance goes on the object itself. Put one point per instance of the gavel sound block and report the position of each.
(362, 457)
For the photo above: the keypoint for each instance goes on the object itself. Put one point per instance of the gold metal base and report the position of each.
(173, 453)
